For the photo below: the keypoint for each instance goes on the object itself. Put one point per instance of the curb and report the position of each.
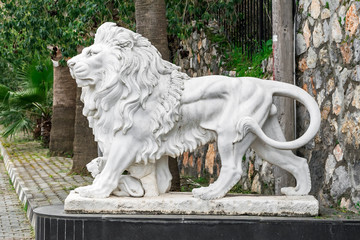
(21, 190)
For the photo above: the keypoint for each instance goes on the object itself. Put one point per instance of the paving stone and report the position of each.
(44, 178)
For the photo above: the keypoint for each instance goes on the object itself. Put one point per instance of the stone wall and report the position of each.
(328, 56)
(199, 56)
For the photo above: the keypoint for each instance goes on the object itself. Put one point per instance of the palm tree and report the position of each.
(64, 105)
(151, 22)
(85, 147)
(22, 109)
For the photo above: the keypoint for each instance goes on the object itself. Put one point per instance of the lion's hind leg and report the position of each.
(230, 173)
(284, 159)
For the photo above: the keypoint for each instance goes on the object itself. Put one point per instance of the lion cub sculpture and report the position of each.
(142, 109)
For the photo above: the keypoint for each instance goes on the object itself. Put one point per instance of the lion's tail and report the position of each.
(248, 124)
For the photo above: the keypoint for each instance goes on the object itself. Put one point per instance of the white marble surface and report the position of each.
(185, 203)
(143, 109)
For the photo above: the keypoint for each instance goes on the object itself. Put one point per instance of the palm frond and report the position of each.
(15, 120)
(19, 109)
(4, 93)
(37, 75)
(24, 99)
(44, 109)
(24, 125)
(8, 116)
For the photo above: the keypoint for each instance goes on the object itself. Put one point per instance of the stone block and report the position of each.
(311, 59)
(307, 33)
(325, 13)
(336, 32)
(301, 45)
(185, 203)
(341, 182)
(352, 20)
(315, 9)
(318, 35)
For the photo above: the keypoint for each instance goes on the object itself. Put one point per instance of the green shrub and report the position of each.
(244, 65)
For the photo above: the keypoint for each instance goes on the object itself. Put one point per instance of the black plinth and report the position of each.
(53, 223)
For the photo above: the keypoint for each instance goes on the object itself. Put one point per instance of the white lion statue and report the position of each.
(142, 109)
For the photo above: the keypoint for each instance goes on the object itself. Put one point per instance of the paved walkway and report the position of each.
(13, 221)
(39, 180)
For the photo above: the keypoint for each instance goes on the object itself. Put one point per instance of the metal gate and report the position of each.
(249, 26)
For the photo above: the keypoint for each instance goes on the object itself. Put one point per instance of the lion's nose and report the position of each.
(70, 63)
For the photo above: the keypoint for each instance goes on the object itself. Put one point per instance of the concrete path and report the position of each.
(39, 180)
(13, 221)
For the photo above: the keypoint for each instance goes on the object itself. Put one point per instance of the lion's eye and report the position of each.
(92, 53)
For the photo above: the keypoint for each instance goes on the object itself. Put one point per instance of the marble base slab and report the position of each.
(185, 203)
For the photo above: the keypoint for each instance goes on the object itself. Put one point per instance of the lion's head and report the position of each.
(118, 73)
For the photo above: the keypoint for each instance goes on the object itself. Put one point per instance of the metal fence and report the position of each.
(249, 25)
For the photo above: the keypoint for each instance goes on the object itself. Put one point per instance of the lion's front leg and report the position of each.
(121, 156)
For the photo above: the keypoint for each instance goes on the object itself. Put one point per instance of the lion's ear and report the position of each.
(124, 44)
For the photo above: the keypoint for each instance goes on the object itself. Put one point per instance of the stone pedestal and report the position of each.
(53, 223)
(185, 203)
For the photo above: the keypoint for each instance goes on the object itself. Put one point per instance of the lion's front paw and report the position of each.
(93, 191)
(196, 192)
(208, 193)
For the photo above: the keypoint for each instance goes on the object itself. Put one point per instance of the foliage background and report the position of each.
(43, 28)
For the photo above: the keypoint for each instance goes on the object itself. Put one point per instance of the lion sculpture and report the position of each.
(142, 109)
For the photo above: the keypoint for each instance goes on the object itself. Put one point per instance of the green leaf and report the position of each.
(22, 124)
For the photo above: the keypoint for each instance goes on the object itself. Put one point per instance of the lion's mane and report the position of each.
(125, 87)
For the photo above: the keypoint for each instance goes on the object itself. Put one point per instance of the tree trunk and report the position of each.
(45, 129)
(283, 40)
(151, 23)
(63, 117)
(85, 147)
